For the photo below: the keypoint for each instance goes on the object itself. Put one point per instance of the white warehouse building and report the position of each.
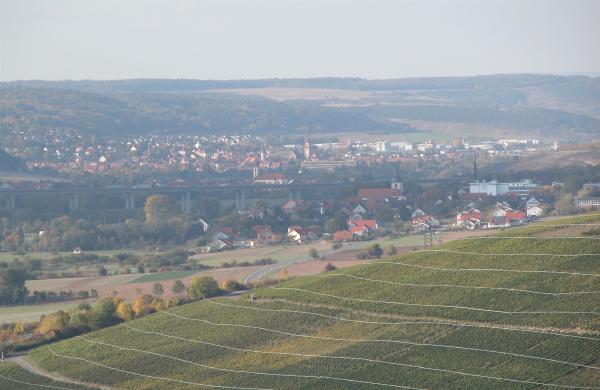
(494, 188)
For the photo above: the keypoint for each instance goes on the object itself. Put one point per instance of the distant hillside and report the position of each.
(483, 313)
(37, 109)
(540, 105)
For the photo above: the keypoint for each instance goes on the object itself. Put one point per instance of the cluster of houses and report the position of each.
(501, 215)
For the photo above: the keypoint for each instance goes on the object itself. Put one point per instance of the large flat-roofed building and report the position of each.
(494, 188)
(587, 202)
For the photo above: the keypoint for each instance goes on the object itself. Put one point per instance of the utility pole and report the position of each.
(475, 165)
(428, 236)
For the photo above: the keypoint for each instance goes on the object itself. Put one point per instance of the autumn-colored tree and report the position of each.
(158, 304)
(53, 323)
(20, 327)
(283, 275)
(158, 208)
(230, 285)
(203, 287)
(125, 311)
(138, 306)
(141, 304)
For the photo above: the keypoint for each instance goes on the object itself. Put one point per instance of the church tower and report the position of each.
(307, 155)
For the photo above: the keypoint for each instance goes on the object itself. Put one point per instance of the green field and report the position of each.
(9, 257)
(503, 318)
(32, 312)
(160, 276)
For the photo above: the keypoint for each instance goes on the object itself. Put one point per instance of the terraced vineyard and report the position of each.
(14, 377)
(519, 310)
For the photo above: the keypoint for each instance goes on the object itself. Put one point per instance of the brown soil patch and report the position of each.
(313, 267)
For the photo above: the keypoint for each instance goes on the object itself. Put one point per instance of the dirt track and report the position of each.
(24, 364)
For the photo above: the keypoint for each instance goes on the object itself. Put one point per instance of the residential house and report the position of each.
(535, 211)
(370, 224)
(299, 234)
(373, 198)
(503, 216)
(421, 223)
(289, 206)
(222, 232)
(219, 244)
(469, 219)
(343, 236)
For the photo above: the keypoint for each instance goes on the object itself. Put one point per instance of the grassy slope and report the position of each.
(14, 377)
(396, 355)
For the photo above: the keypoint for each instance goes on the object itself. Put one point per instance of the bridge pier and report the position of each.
(186, 202)
(129, 201)
(240, 199)
(297, 194)
(11, 202)
(73, 203)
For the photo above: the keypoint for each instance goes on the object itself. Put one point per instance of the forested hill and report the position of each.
(41, 108)
(534, 105)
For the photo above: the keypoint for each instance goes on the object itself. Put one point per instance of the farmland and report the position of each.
(494, 313)
(31, 312)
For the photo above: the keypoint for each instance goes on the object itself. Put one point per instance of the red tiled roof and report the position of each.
(378, 193)
(342, 235)
(515, 215)
(370, 223)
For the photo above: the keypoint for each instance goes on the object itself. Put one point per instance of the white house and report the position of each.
(534, 211)
(533, 202)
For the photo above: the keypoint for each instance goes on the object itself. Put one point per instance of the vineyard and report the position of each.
(14, 377)
(517, 310)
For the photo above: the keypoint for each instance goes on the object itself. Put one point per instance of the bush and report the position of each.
(362, 256)
(203, 287)
(330, 267)
(391, 251)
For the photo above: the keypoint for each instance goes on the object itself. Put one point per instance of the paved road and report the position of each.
(24, 364)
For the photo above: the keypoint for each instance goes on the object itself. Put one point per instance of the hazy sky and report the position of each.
(226, 39)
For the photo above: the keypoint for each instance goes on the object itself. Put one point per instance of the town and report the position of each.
(299, 194)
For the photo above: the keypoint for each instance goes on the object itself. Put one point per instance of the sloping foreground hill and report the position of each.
(14, 377)
(518, 310)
